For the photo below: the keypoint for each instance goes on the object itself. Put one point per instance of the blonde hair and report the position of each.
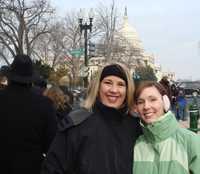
(57, 96)
(93, 88)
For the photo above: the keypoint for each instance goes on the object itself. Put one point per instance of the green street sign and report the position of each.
(77, 52)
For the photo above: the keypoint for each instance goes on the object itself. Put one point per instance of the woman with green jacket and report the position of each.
(165, 147)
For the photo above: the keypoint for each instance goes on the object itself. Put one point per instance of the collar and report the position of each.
(110, 113)
(161, 129)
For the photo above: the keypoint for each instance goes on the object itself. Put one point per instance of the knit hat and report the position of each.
(113, 70)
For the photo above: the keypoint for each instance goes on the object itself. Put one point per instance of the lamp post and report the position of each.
(85, 27)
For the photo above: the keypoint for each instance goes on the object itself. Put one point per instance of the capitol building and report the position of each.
(131, 51)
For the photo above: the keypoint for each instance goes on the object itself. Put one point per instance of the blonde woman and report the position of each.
(102, 142)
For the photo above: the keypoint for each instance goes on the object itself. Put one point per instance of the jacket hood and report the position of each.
(74, 118)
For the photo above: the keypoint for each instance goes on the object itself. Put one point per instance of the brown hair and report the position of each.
(146, 84)
(57, 96)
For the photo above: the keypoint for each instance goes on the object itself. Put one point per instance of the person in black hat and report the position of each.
(27, 122)
(98, 138)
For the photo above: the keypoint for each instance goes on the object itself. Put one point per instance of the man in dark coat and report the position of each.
(27, 121)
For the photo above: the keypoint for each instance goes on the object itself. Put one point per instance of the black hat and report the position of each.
(115, 70)
(21, 69)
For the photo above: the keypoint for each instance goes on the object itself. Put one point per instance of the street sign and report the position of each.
(77, 52)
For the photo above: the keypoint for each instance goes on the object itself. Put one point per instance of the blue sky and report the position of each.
(169, 29)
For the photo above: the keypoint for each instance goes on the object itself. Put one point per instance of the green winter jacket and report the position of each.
(166, 148)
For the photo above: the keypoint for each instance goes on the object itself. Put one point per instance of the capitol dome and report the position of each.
(129, 33)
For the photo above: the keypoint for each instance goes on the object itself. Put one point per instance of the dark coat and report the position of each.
(93, 143)
(27, 127)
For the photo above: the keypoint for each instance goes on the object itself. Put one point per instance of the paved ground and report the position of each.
(186, 124)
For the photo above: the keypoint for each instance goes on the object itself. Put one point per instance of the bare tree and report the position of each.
(49, 47)
(72, 37)
(107, 18)
(113, 44)
(21, 23)
(72, 41)
(4, 54)
(54, 48)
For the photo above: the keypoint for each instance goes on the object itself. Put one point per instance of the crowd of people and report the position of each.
(117, 128)
(176, 94)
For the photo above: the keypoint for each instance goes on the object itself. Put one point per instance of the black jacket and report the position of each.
(27, 127)
(93, 143)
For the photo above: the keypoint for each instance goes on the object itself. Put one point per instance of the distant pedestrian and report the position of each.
(68, 93)
(174, 94)
(181, 106)
(27, 121)
(60, 100)
(165, 147)
(98, 138)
